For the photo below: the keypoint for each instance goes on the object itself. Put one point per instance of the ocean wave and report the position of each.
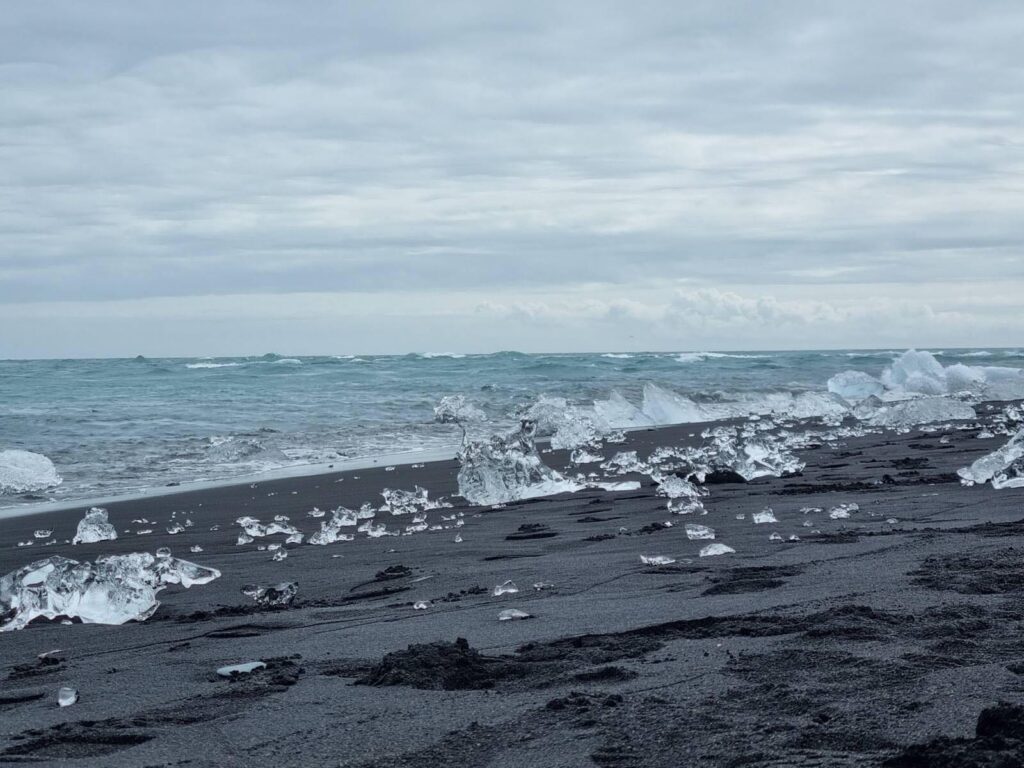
(618, 355)
(432, 355)
(212, 365)
(698, 357)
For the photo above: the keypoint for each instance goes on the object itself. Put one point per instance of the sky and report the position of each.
(239, 177)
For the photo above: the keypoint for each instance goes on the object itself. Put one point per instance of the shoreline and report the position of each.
(861, 635)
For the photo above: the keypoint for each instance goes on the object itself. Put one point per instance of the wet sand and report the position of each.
(845, 648)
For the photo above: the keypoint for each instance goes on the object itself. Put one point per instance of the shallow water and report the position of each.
(117, 426)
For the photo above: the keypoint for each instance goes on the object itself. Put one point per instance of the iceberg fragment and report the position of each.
(66, 697)
(716, 548)
(505, 588)
(507, 468)
(272, 594)
(656, 559)
(113, 590)
(25, 471)
(766, 515)
(908, 413)
(1004, 467)
(699, 532)
(246, 668)
(94, 527)
(513, 614)
(854, 386)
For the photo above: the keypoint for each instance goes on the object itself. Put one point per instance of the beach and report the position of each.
(863, 636)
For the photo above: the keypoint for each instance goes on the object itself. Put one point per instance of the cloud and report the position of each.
(157, 151)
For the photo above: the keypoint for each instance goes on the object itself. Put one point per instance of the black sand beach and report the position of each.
(870, 643)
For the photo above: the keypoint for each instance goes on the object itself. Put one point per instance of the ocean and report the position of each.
(120, 426)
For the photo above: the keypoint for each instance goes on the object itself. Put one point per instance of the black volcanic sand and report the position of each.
(868, 643)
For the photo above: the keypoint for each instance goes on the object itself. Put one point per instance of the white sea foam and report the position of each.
(212, 365)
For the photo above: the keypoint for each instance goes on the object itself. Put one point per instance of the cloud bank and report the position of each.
(776, 175)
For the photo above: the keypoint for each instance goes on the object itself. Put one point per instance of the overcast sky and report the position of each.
(223, 177)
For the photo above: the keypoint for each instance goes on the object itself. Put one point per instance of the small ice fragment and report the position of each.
(420, 605)
(511, 614)
(765, 516)
(741, 516)
(43, 534)
(542, 585)
(94, 527)
(272, 594)
(507, 588)
(794, 537)
(67, 696)
(717, 548)
(458, 538)
(774, 537)
(195, 549)
(279, 555)
(295, 538)
(694, 531)
(175, 528)
(243, 538)
(240, 669)
(842, 511)
(891, 520)
(316, 512)
(656, 559)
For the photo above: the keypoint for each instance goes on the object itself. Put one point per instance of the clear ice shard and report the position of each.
(240, 669)
(506, 588)
(330, 530)
(94, 527)
(272, 594)
(656, 559)
(766, 515)
(512, 614)
(455, 409)
(24, 471)
(907, 413)
(699, 531)
(711, 550)
(1004, 467)
(66, 697)
(400, 502)
(854, 386)
(506, 468)
(113, 590)
(569, 426)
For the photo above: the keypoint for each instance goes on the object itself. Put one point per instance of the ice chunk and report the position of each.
(455, 409)
(842, 511)
(656, 559)
(699, 531)
(512, 614)
(915, 371)
(113, 590)
(619, 413)
(583, 456)
(1004, 468)
(240, 669)
(505, 588)
(66, 697)
(766, 515)
(908, 413)
(400, 502)
(506, 468)
(24, 471)
(330, 530)
(94, 527)
(272, 594)
(716, 548)
(854, 386)
(43, 533)
(624, 462)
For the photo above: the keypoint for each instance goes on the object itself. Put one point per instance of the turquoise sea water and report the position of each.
(122, 425)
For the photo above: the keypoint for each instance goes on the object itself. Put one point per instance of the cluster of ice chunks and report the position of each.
(399, 502)
(1004, 468)
(94, 527)
(24, 471)
(569, 426)
(506, 468)
(908, 413)
(748, 455)
(113, 590)
(255, 529)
